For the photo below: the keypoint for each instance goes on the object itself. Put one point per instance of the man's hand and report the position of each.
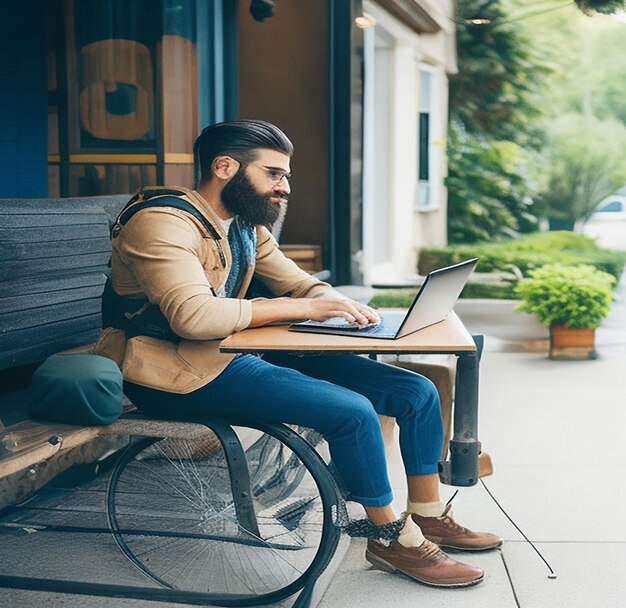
(317, 309)
(350, 310)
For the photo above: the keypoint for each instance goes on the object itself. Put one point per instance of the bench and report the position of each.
(257, 481)
(54, 256)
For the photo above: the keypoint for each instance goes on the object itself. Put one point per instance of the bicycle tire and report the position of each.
(164, 543)
(288, 476)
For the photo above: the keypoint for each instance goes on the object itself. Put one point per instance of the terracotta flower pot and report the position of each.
(572, 343)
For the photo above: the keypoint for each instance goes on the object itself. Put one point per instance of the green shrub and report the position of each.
(527, 253)
(501, 290)
(402, 298)
(393, 298)
(577, 296)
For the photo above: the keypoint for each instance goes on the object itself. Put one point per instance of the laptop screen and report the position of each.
(437, 296)
(431, 304)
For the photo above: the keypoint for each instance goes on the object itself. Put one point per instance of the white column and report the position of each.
(403, 166)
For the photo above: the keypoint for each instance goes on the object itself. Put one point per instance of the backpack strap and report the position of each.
(137, 316)
(163, 197)
(155, 198)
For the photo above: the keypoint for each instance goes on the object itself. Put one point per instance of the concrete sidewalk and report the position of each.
(552, 429)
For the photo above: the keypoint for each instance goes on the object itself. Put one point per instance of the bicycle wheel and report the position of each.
(172, 511)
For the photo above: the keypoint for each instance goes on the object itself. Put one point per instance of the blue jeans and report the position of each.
(337, 395)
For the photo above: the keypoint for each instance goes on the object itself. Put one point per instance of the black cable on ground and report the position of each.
(552, 574)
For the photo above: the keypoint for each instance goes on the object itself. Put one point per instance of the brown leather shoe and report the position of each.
(447, 533)
(426, 564)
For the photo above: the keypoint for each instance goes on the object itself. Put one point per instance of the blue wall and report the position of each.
(23, 100)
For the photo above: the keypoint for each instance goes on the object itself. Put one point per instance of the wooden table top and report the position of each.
(448, 336)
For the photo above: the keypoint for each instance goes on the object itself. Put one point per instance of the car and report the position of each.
(611, 208)
(607, 224)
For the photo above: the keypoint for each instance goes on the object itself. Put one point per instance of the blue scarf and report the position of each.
(242, 241)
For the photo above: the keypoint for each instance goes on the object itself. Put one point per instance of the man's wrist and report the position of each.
(328, 293)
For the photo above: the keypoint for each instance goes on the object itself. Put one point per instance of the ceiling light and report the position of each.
(365, 21)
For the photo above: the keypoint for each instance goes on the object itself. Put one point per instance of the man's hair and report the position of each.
(238, 139)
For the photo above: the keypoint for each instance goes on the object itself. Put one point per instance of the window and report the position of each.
(613, 206)
(426, 173)
(123, 95)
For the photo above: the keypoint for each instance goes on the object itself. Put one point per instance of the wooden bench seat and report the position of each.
(29, 442)
(32, 452)
(54, 257)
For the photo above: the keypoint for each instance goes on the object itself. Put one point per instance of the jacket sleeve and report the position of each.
(162, 249)
(281, 274)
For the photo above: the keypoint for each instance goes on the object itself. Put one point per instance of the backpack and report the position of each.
(138, 316)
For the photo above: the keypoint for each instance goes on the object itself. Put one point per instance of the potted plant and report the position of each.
(571, 301)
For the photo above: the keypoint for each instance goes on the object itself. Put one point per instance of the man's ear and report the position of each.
(224, 167)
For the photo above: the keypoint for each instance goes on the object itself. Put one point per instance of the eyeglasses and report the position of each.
(275, 175)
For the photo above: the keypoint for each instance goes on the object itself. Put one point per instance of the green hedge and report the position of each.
(393, 298)
(402, 298)
(528, 252)
(495, 291)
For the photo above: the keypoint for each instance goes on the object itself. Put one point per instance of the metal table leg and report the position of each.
(462, 468)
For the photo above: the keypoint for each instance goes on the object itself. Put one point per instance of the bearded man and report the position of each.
(182, 263)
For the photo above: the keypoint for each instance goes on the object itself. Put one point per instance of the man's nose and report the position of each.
(283, 187)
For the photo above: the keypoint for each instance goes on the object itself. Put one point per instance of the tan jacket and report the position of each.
(169, 256)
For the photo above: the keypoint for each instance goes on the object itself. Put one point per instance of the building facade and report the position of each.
(105, 96)
(409, 53)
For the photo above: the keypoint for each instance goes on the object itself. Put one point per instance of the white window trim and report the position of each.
(435, 135)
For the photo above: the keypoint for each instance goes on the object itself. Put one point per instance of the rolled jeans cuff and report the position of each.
(421, 469)
(380, 501)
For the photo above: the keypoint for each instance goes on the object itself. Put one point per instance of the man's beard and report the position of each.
(242, 199)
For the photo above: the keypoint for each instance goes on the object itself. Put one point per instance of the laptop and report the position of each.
(432, 304)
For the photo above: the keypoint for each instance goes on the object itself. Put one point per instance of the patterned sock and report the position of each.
(411, 535)
(425, 509)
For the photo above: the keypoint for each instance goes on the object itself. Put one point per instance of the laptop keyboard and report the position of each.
(388, 326)
(380, 328)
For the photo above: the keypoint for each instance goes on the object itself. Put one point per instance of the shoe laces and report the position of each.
(448, 520)
(431, 551)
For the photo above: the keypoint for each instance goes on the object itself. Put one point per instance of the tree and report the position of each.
(578, 168)
(582, 163)
(492, 93)
(600, 6)
(491, 105)
(589, 67)
(522, 59)
(488, 188)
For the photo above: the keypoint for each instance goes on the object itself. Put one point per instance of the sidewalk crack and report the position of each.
(508, 575)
